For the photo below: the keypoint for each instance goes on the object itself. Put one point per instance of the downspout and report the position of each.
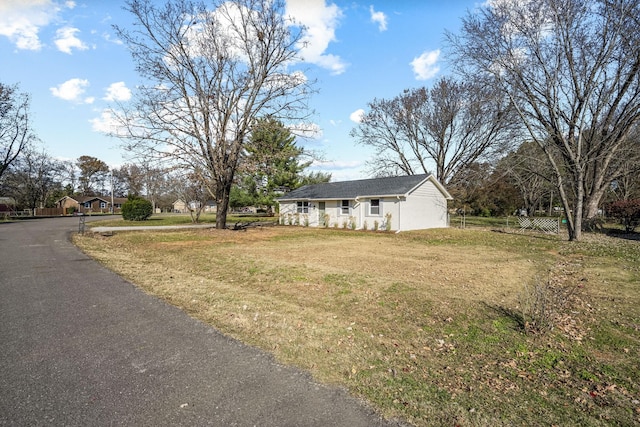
(399, 209)
(359, 225)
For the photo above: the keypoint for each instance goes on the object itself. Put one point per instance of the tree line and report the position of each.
(543, 101)
(553, 85)
(272, 163)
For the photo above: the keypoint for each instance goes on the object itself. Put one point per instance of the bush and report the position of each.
(136, 209)
(627, 212)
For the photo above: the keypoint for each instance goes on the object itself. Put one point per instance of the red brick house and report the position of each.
(89, 204)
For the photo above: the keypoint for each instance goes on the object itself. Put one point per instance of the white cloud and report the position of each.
(108, 38)
(424, 66)
(337, 164)
(340, 170)
(20, 21)
(320, 21)
(72, 90)
(117, 92)
(106, 123)
(378, 17)
(357, 115)
(66, 40)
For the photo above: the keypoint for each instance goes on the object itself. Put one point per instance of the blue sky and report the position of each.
(66, 55)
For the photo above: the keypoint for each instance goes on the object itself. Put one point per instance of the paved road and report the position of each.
(79, 346)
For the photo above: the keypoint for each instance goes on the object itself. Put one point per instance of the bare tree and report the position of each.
(192, 190)
(68, 175)
(16, 133)
(127, 180)
(528, 170)
(33, 179)
(572, 70)
(212, 71)
(625, 185)
(451, 125)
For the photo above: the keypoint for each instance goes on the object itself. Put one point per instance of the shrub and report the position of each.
(352, 222)
(484, 212)
(627, 212)
(136, 209)
(325, 220)
(542, 304)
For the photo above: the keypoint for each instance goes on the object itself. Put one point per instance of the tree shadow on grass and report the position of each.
(519, 323)
(621, 234)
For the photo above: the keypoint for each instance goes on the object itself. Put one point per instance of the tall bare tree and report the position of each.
(528, 170)
(16, 133)
(190, 189)
(572, 70)
(212, 70)
(451, 125)
(33, 179)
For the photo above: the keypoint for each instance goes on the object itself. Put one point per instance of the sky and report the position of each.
(68, 58)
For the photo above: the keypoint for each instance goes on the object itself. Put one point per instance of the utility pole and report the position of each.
(112, 210)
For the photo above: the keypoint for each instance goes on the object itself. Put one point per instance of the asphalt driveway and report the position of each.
(80, 346)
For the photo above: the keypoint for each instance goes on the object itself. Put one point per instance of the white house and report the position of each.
(179, 206)
(397, 203)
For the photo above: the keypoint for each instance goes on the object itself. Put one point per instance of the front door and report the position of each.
(321, 217)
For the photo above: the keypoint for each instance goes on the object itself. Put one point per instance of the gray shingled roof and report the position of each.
(393, 186)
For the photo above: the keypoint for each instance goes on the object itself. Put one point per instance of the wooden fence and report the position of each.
(49, 212)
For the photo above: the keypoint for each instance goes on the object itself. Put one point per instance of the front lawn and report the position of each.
(438, 327)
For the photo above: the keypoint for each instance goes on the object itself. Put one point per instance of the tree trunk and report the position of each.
(578, 208)
(223, 189)
(592, 204)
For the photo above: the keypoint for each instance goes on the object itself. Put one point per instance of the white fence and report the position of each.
(546, 225)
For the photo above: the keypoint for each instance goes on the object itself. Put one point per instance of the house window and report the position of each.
(374, 207)
(87, 205)
(303, 207)
(344, 207)
(103, 205)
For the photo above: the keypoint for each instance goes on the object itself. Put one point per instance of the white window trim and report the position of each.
(301, 206)
(371, 207)
(342, 207)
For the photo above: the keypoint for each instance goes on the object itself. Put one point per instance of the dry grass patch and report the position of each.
(424, 325)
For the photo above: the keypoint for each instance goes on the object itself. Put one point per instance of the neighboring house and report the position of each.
(7, 204)
(210, 206)
(408, 202)
(179, 206)
(90, 204)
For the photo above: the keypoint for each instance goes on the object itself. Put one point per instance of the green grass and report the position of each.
(179, 219)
